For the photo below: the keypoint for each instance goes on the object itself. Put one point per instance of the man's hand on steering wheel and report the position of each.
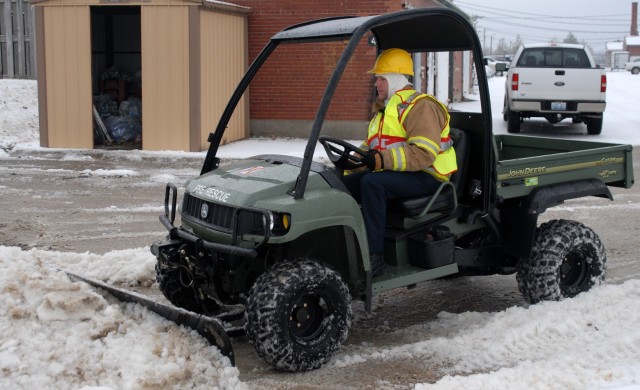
(373, 159)
(343, 154)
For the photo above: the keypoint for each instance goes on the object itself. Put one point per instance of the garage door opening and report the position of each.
(116, 76)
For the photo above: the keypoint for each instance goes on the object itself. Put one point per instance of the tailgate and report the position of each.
(527, 163)
(571, 84)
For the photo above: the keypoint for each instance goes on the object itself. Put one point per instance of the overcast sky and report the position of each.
(593, 21)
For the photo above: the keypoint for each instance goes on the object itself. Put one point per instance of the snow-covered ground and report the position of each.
(55, 334)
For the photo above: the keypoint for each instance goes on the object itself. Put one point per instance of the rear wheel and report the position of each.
(298, 315)
(567, 258)
(513, 121)
(635, 70)
(594, 125)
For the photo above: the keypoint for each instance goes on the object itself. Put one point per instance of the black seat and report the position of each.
(445, 196)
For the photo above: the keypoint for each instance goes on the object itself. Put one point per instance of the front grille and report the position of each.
(219, 216)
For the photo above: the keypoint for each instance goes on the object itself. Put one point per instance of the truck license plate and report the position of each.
(558, 106)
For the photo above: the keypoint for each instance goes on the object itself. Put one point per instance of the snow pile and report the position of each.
(18, 114)
(55, 334)
(109, 172)
(588, 342)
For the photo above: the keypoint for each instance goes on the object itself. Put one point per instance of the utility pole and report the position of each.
(484, 39)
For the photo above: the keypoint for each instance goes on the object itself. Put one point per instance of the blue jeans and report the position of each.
(373, 190)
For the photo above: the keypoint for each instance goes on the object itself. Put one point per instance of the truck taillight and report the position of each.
(603, 83)
(514, 82)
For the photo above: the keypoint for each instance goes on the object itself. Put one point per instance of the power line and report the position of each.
(537, 27)
(556, 29)
(621, 24)
(541, 38)
(484, 8)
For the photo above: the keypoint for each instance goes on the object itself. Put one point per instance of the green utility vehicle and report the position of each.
(279, 244)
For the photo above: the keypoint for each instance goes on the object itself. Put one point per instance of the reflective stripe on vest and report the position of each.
(386, 132)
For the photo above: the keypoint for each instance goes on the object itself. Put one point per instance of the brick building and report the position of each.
(632, 42)
(274, 85)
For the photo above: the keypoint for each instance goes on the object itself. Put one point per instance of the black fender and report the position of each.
(519, 217)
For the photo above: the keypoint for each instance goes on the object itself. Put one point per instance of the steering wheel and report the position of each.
(342, 154)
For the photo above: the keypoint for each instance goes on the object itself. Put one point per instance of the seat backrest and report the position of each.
(461, 145)
(416, 206)
(531, 61)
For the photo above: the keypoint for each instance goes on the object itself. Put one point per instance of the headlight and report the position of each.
(279, 223)
(255, 222)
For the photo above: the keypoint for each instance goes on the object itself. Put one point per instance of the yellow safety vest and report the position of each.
(387, 132)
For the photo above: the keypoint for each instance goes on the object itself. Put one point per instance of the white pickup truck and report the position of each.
(555, 81)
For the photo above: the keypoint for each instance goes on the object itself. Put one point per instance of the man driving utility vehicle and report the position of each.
(409, 151)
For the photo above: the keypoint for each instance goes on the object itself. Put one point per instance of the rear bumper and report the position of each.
(539, 106)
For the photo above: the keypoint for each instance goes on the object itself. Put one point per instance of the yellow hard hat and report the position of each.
(393, 61)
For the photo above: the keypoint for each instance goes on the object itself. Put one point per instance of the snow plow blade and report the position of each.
(210, 328)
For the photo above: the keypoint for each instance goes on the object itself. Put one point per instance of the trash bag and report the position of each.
(123, 128)
(131, 108)
(106, 105)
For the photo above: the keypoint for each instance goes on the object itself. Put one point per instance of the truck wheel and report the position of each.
(505, 108)
(567, 258)
(178, 287)
(513, 122)
(297, 315)
(594, 125)
(635, 70)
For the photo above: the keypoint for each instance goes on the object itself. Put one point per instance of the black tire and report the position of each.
(635, 70)
(513, 122)
(298, 315)
(594, 125)
(505, 107)
(177, 285)
(567, 258)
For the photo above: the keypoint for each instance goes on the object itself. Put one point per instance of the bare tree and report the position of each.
(571, 38)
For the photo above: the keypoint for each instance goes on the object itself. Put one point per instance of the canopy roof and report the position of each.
(417, 30)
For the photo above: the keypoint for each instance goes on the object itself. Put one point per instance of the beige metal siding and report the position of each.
(193, 55)
(223, 46)
(165, 77)
(68, 83)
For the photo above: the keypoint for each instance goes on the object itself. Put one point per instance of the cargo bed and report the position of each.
(526, 163)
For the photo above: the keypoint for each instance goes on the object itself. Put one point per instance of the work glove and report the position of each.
(373, 160)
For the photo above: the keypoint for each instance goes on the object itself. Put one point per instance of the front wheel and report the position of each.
(567, 258)
(298, 315)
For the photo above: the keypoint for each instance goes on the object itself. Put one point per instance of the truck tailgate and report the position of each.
(526, 163)
(572, 84)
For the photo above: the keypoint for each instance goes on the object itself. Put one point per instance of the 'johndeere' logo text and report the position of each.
(527, 171)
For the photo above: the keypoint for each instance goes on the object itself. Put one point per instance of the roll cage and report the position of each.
(415, 30)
